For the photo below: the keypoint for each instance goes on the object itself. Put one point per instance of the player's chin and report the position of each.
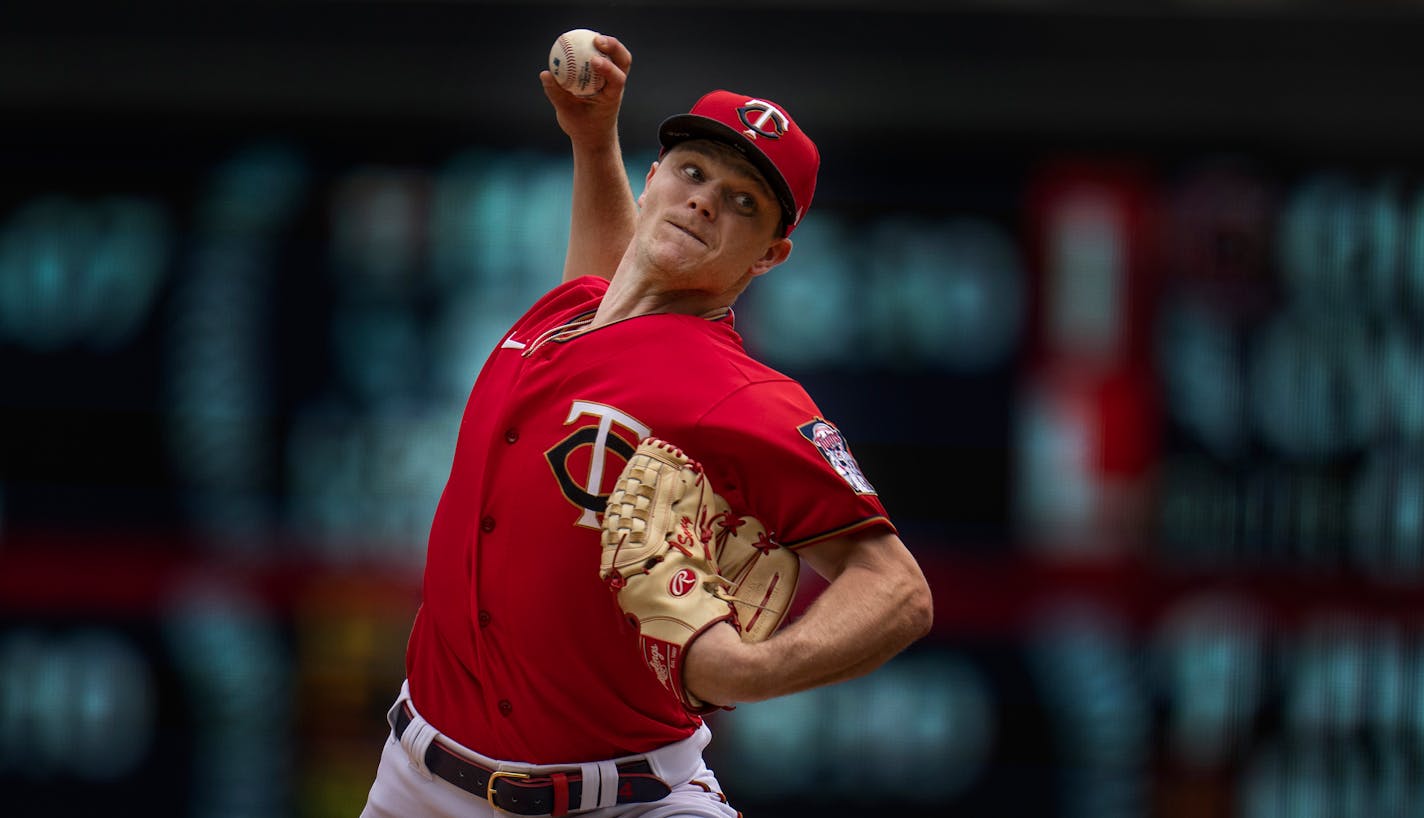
(679, 254)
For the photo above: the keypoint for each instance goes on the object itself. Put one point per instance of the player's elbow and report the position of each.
(913, 605)
(913, 600)
(918, 608)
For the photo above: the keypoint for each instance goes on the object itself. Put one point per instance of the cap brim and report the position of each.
(682, 127)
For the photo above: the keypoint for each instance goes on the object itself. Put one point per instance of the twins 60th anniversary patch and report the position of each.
(832, 445)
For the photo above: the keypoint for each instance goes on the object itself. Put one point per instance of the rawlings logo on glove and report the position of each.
(681, 561)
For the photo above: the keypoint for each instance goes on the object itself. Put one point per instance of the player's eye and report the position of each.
(745, 202)
(693, 172)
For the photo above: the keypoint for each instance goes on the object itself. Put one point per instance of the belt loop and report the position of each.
(588, 794)
(607, 783)
(416, 742)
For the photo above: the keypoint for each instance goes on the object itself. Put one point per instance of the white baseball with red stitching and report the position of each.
(571, 62)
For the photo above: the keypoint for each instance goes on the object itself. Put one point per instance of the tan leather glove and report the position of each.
(681, 561)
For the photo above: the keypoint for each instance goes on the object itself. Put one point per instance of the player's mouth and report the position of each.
(689, 232)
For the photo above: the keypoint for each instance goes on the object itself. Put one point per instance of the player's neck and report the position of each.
(630, 295)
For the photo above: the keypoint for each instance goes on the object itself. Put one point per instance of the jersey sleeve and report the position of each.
(771, 453)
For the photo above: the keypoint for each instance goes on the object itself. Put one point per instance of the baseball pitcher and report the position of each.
(632, 498)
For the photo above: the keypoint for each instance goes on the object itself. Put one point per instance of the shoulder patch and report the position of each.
(832, 445)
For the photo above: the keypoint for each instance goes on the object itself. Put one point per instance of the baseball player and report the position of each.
(551, 669)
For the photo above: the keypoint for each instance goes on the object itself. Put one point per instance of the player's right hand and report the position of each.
(589, 120)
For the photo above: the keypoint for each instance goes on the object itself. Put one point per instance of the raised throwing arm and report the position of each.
(603, 207)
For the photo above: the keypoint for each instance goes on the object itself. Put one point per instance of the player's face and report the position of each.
(708, 219)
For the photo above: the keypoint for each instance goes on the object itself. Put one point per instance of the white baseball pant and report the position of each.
(405, 787)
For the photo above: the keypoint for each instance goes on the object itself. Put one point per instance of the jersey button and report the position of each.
(485, 619)
(487, 524)
(505, 708)
(511, 435)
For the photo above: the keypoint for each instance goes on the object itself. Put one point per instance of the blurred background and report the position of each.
(1119, 305)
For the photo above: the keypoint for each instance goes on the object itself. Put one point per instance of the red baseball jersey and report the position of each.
(519, 650)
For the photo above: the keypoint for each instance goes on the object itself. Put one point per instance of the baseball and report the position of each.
(571, 62)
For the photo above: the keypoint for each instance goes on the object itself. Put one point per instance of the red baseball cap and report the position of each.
(765, 134)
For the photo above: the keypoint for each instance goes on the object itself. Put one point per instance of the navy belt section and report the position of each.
(546, 794)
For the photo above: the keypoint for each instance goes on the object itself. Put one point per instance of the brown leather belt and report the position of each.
(545, 794)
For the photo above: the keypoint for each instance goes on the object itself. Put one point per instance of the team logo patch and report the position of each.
(832, 446)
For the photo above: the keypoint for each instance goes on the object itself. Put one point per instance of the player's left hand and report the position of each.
(589, 119)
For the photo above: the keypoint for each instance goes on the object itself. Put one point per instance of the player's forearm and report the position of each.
(857, 624)
(601, 221)
(855, 627)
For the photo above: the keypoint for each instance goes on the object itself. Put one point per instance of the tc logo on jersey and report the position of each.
(832, 446)
(594, 441)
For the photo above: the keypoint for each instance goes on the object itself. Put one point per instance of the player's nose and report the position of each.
(703, 204)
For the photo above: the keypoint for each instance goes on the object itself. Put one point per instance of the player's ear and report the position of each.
(776, 253)
(647, 180)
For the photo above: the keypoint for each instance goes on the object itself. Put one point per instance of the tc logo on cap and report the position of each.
(762, 118)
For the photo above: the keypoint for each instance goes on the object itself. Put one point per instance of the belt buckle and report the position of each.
(489, 786)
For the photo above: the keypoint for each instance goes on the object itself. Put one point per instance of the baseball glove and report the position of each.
(680, 560)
